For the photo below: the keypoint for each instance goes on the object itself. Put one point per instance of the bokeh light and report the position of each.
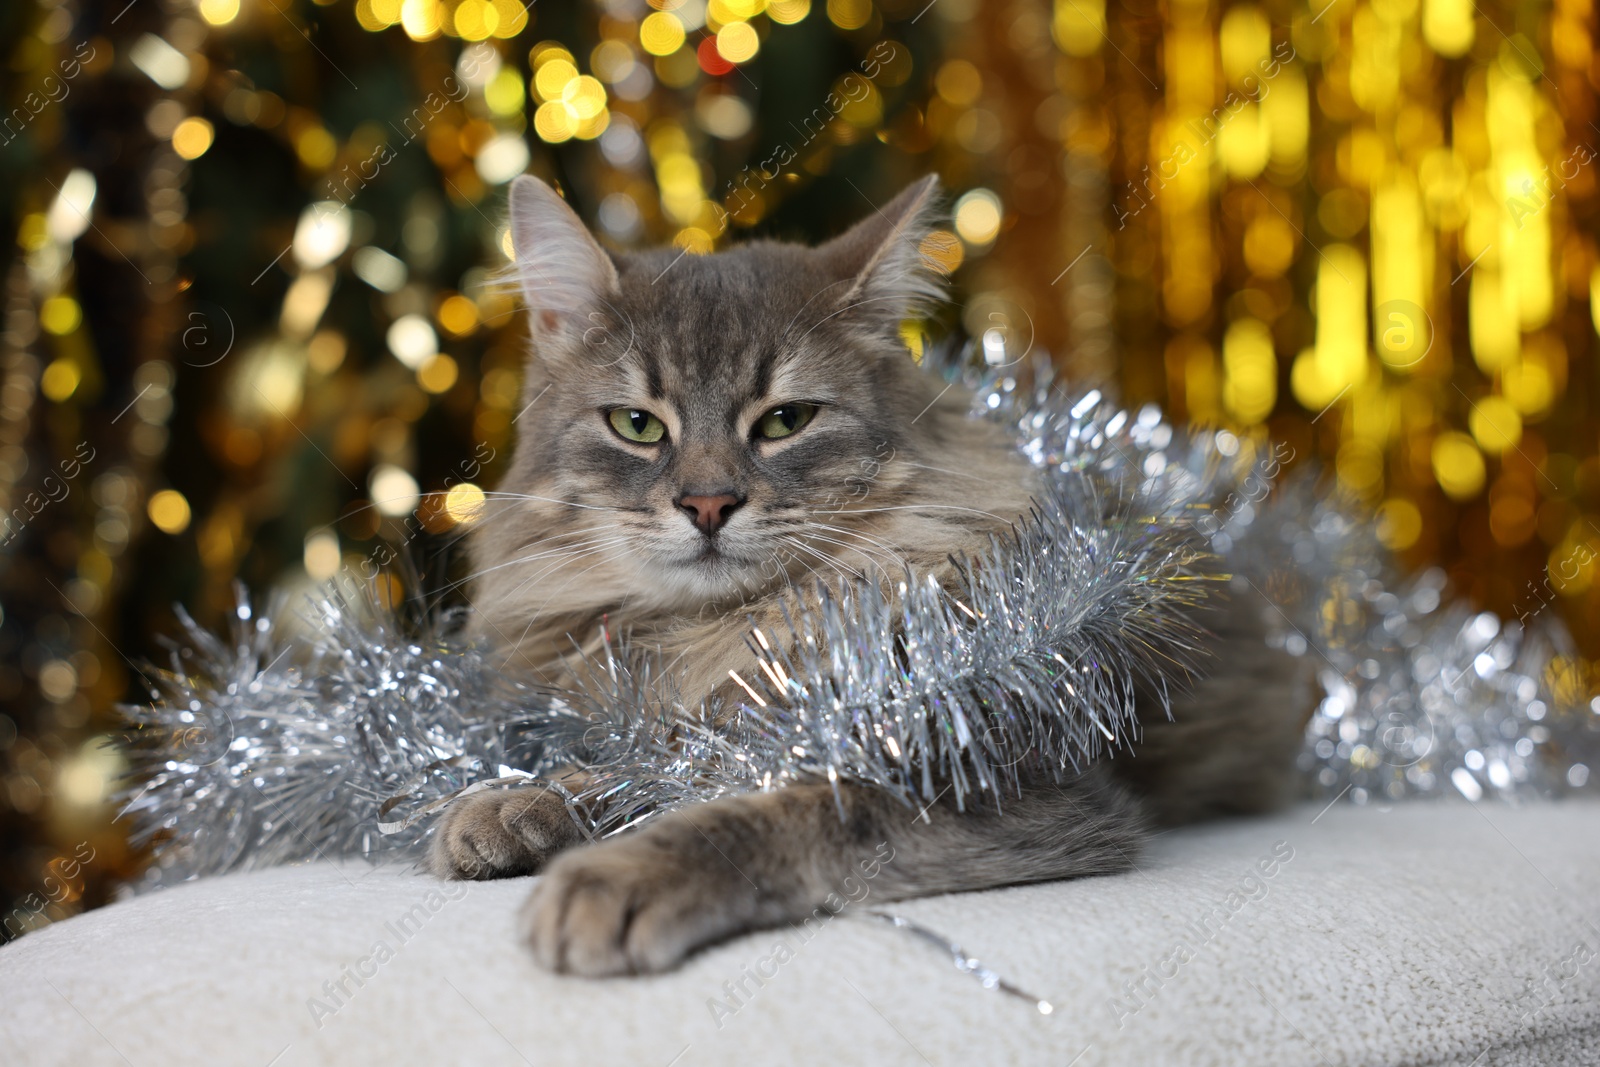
(219, 12)
(464, 501)
(737, 42)
(977, 217)
(169, 510)
(394, 490)
(661, 34)
(192, 137)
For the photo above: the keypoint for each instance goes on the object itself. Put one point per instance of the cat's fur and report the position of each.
(891, 471)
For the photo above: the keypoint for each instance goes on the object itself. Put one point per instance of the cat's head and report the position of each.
(688, 421)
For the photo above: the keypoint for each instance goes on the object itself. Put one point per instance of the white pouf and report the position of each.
(1440, 933)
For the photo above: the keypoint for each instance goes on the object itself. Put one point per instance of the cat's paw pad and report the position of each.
(501, 834)
(631, 906)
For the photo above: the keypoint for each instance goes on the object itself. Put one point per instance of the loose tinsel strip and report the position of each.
(340, 735)
(988, 977)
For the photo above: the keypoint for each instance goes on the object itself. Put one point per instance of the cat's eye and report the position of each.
(637, 426)
(784, 420)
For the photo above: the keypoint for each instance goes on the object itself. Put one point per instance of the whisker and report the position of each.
(540, 611)
(813, 296)
(893, 550)
(534, 617)
(566, 557)
(944, 470)
(832, 562)
(585, 536)
(841, 311)
(559, 551)
(869, 555)
(919, 507)
(838, 566)
(503, 494)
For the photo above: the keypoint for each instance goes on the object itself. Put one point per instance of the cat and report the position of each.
(699, 435)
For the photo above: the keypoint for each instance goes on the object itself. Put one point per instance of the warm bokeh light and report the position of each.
(192, 137)
(661, 34)
(60, 380)
(394, 491)
(943, 251)
(1399, 524)
(71, 209)
(169, 510)
(1458, 465)
(788, 12)
(555, 122)
(552, 77)
(219, 12)
(60, 315)
(412, 340)
(322, 234)
(316, 147)
(737, 42)
(463, 502)
(321, 555)
(958, 82)
(422, 19)
(1250, 384)
(849, 14)
(977, 217)
(458, 314)
(438, 374)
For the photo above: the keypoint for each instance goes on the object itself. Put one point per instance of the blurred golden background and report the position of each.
(249, 330)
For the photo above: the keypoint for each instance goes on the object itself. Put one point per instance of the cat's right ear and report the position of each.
(562, 272)
(888, 278)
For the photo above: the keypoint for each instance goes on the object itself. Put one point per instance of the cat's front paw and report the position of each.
(636, 905)
(501, 834)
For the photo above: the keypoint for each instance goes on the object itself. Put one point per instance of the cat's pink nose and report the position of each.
(709, 513)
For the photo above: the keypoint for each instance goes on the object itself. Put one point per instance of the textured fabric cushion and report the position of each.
(1421, 934)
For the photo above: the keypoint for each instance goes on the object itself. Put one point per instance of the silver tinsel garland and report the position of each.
(347, 736)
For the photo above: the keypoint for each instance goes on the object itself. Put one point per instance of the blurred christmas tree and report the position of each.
(251, 331)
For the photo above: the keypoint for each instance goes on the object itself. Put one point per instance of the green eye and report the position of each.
(638, 426)
(784, 420)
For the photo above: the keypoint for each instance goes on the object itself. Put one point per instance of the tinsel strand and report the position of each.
(343, 737)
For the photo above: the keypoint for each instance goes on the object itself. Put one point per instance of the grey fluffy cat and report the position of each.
(693, 442)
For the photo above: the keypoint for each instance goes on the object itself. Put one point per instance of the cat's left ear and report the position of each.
(885, 277)
(561, 269)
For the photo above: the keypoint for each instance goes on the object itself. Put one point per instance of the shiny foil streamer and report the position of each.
(345, 734)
